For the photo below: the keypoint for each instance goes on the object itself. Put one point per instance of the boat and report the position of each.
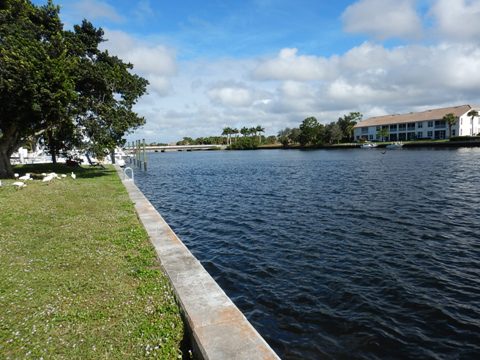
(395, 146)
(368, 146)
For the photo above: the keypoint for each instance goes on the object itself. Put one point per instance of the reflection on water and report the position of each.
(350, 253)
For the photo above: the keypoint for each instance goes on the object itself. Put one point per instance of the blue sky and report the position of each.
(274, 62)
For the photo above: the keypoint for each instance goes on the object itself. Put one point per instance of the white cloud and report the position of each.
(230, 95)
(457, 19)
(281, 90)
(92, 10)
(290, 66)
(368, 78)
(383, 19)
(156, 62)
(143, 11)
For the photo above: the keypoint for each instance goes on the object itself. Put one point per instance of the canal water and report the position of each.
(358, 254)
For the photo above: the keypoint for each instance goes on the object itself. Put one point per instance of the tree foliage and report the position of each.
(451, 120)
(312, 133)
(58, 86)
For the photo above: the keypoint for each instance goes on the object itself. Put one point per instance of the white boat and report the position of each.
(368, 146)
(395, 146)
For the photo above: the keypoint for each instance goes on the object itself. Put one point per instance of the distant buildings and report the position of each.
(420, 125)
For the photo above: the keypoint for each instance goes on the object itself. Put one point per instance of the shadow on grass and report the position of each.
(84, 172)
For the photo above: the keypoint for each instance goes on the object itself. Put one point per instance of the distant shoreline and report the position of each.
(409, 145)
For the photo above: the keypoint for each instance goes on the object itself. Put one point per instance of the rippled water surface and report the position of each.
(336, 254)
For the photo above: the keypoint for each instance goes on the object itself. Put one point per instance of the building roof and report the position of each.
(435, 114)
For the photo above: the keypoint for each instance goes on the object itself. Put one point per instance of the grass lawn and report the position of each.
(79, 278)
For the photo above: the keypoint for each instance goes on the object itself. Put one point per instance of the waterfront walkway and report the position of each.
(217, 327)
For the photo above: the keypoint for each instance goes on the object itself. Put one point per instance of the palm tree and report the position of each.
(245, 131)
(473, 114)
(253, 131)
(451, 120)
(228, 131)
(235, 131)
(259, 130)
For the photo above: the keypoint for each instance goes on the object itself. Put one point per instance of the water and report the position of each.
(336, 254)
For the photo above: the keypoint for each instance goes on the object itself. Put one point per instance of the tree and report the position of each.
(235, 132)
(107, 91)
(309, 131)
(451, 120)
(36, 86)
(346, 124)
(284, 136)
(472, 113)
(383, 133)
(294, 136)
(245, 131)
(333, 133)
(259, 130)
(228, 132)
(57, 85)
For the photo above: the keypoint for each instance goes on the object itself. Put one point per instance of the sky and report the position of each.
(218, 63)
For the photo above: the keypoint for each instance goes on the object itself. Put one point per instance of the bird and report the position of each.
(64, 175)
(0, 183)
(49, 177)
(73, 176)
(25, 177)
(16, 175)
(19, 184)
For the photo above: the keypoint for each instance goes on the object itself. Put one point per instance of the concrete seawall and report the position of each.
(218, 329)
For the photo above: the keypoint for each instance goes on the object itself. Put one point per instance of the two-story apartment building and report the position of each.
(419, 125)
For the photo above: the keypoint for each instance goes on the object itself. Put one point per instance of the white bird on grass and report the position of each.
(16, 175)
(25, 177)
(19, 184)
(64, 175)
(49, 177)
(73, 176)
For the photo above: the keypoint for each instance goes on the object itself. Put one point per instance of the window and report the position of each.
(419, 135)
(411, 126)
(420, 125)
(370, 137)
(430, 124)
(430, 134)
(393, 127)
(453, 132)
(378, 128)
(364, 130)
(402, 127)
(440, 124)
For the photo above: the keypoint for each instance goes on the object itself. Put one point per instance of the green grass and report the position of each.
(79, 278)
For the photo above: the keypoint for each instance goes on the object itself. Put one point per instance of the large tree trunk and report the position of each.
(112, 155)
(53, 152)
(8, 144)
(6, 170)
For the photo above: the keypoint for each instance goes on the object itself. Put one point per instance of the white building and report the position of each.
(420, 125)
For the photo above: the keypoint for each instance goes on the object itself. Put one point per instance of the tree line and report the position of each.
(311, 132)
(233, 138)
(58, 88)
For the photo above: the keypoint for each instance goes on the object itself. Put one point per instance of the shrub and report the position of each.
(465, 138)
